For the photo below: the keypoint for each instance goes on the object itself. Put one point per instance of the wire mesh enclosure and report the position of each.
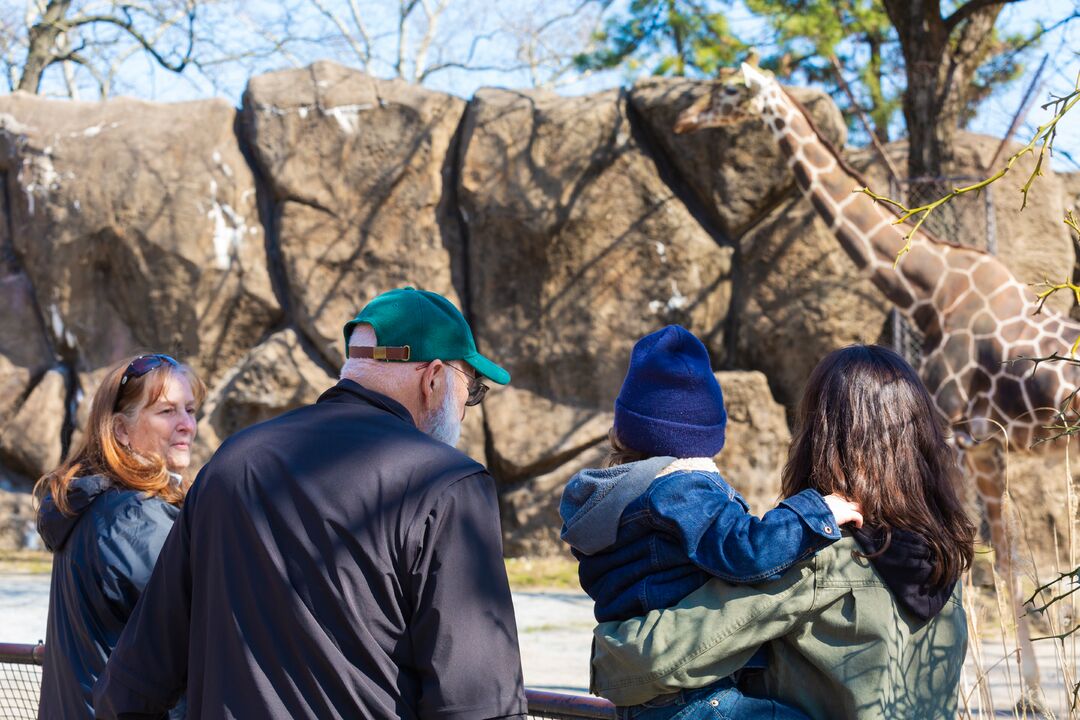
(20, 686)
(966, 220)
(20, 681)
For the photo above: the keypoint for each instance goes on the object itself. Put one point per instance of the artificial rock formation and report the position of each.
(31, 440)
(136, 224)
(17, 521)
(757, 439)
(357, 177)
(25, 354)
(737, 172)
(576, 247)
(799, 296)
(277, 376)
(565, 228)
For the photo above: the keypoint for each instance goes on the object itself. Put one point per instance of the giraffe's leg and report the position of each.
(984, 463)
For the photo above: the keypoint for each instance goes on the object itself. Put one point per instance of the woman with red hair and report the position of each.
(105, 512)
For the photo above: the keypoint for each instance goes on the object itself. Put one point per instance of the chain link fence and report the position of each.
(20, 681)
(966, 220)
(20, 687)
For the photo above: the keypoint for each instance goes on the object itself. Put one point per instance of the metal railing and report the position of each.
(20, 680)
(20, 686)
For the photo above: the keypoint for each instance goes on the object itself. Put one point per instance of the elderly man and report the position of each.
(342, 560)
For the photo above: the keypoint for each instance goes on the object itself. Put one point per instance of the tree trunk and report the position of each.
(940, 59)
(879, 108)
(41, 50)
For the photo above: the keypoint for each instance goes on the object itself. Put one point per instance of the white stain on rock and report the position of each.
(39, 178)
(94, 130)
(222, 165)
(348, 116)
(677, 301)
(8, 123)
(229, 229)
(60, 331)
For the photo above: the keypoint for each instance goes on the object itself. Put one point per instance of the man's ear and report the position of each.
(429, 382)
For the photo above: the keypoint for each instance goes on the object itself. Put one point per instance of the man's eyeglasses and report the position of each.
(477, 389)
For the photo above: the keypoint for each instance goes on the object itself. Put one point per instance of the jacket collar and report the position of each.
(351, 391)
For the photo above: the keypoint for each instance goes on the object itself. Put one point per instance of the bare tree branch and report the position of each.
(363, 53)
(432, 16)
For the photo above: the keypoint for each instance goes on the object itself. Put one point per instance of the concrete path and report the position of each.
(24, 606)
(555, 632)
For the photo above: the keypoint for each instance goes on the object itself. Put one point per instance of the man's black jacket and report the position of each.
(334, 562)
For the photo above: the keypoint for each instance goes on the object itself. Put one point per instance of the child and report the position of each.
(658, 521)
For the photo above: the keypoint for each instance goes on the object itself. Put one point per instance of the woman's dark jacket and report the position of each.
(103, 555)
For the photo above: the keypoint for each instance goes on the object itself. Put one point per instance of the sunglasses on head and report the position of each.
(144, 364)
(139, 367)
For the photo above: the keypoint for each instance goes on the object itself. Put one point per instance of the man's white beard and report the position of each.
(444, 423)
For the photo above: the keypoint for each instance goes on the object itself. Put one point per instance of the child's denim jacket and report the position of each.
(648, 533)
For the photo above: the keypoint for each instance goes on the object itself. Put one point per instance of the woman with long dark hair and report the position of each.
(105, 513)
(872, 626)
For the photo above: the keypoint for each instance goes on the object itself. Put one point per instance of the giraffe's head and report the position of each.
(735, 97)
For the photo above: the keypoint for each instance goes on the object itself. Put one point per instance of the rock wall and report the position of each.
(565, 228)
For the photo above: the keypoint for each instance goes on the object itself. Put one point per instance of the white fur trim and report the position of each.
(701, 464)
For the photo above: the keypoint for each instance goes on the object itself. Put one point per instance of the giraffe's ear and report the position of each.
(755, 79)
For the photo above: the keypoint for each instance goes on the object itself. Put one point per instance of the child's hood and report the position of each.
(594, 500)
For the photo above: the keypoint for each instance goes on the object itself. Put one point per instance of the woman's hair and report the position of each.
(100, 452)
(620, 454)
(867, 429)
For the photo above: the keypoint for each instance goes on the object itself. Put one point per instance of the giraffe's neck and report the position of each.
(864, 228)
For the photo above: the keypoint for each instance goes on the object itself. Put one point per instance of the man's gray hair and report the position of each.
(373, 374)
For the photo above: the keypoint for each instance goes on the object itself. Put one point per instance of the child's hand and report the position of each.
(844, 510)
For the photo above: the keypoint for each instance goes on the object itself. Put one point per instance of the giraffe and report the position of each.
(975, 315)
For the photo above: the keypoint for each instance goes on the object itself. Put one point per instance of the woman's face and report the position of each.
(165, 427)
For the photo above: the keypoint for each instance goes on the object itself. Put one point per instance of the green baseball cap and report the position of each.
(429, 325)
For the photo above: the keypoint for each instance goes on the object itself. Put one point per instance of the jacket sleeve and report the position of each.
(147, 670)
(710, 634)
(719, 535)
(462, 629)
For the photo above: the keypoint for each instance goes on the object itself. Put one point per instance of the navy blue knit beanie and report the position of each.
(670, 402)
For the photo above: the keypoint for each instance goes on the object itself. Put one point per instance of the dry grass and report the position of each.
(25, 561)
(1043, 552)
(542, 573)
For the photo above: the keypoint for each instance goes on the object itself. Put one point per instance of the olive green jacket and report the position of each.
(843, 649)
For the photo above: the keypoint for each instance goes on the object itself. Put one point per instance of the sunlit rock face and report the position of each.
(564, 228)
